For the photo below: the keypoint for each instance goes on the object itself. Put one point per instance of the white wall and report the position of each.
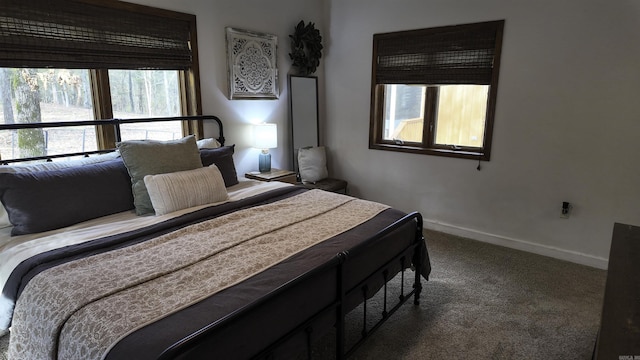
(277, 17)
(567, 125)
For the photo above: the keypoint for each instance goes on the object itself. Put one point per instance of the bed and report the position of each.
(161, 251)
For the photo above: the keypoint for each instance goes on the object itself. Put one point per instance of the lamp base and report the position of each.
(264, 162)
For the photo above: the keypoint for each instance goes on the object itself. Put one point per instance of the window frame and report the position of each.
(190, 104)
(428, 145)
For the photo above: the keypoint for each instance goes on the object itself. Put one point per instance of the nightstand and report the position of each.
(273, 175)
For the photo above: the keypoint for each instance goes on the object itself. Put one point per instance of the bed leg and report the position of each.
(340, 310)
(365, 289)
(402, 278)
(385, 275)
(308, 331)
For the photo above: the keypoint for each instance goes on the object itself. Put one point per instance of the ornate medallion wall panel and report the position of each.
(253, 71)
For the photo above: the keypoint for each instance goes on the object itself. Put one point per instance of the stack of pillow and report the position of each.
(149, 176)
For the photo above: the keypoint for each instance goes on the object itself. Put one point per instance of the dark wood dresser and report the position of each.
(619, 336)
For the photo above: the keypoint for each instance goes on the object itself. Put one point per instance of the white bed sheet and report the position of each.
(15, 249)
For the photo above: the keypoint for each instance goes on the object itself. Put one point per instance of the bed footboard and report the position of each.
(412, 255)
(350, 289)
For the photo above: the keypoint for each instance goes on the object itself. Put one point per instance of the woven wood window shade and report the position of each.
(462, 54)
(93, 35)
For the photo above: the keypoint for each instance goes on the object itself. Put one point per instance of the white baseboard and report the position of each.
(545, 250)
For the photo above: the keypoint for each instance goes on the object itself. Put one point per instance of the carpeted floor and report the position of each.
(490, 302)
(487, 302)
(4, 343)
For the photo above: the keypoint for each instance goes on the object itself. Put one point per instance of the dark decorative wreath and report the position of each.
(306, 48)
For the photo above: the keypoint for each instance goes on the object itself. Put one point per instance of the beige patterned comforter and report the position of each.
(78, 310)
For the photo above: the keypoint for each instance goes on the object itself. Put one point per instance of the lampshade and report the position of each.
(265, 136)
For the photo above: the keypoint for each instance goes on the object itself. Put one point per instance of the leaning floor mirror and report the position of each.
(303, 113)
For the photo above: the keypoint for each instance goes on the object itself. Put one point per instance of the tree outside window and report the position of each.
(58, 95)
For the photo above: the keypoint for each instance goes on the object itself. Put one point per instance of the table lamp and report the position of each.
(265, 137)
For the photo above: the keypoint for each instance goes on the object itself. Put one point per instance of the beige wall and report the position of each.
(567, 123)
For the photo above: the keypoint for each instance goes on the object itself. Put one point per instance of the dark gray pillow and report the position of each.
(151, 157)
(223, 158)
(47, 200)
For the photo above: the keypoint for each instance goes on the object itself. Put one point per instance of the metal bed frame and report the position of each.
(411, 255)
(404, 258)
(112, 122)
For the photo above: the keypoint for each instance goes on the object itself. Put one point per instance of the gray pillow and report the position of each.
(312, 164)
(46, 200)
(151, 157)
(46, 166)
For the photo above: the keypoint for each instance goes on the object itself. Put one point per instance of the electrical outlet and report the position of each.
(565, 211)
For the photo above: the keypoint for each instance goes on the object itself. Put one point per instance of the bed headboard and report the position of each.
(113, 122)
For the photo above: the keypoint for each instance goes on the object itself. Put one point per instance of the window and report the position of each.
(146, 93)
(45, 95)
(94, 59)
(434, 90)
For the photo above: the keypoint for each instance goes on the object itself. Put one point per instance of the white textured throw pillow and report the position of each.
(183, 189)
(208, 143)
(312, 164)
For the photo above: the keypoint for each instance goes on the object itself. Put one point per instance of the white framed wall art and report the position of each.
(252, 66)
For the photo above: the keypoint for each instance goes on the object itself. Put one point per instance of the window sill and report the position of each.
(430, 151)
